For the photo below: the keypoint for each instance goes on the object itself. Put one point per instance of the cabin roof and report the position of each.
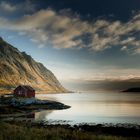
(26, 87)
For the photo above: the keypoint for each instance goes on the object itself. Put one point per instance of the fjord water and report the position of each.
(93, 108)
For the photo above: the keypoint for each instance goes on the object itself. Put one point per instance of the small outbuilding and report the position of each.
(24, 91)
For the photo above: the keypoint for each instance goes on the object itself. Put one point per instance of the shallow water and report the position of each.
(93, 108)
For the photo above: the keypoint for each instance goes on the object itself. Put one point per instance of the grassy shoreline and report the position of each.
(28, 130)
(36, 131)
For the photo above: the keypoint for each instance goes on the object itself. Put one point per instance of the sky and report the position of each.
(83, 42)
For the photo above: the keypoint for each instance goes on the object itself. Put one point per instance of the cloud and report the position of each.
(102, 85)
(4, 6)
(66, 30)
(7, 7)
(124, 48)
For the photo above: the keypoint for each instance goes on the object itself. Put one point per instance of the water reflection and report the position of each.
(42, 115)
(94, 108)
(89, 108)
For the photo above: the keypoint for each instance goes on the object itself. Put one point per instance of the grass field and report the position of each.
(22, 132)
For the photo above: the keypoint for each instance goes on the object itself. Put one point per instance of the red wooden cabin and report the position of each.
(24, 91)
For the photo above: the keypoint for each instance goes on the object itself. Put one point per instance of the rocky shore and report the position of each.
(12, 105)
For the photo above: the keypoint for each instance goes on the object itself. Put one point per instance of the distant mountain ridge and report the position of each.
(134, 89)
(18, 68)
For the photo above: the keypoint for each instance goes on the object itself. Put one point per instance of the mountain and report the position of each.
(135, 89)
(19, 68)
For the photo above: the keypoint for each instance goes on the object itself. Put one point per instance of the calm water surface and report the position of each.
(93, 108)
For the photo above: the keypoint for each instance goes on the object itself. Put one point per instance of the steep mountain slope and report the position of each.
(19, 68)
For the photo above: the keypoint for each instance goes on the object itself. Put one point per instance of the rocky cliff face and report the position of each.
(17, 68)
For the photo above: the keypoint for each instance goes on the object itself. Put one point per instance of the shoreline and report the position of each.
(13, 105)
(69, 132)
(16, 128)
